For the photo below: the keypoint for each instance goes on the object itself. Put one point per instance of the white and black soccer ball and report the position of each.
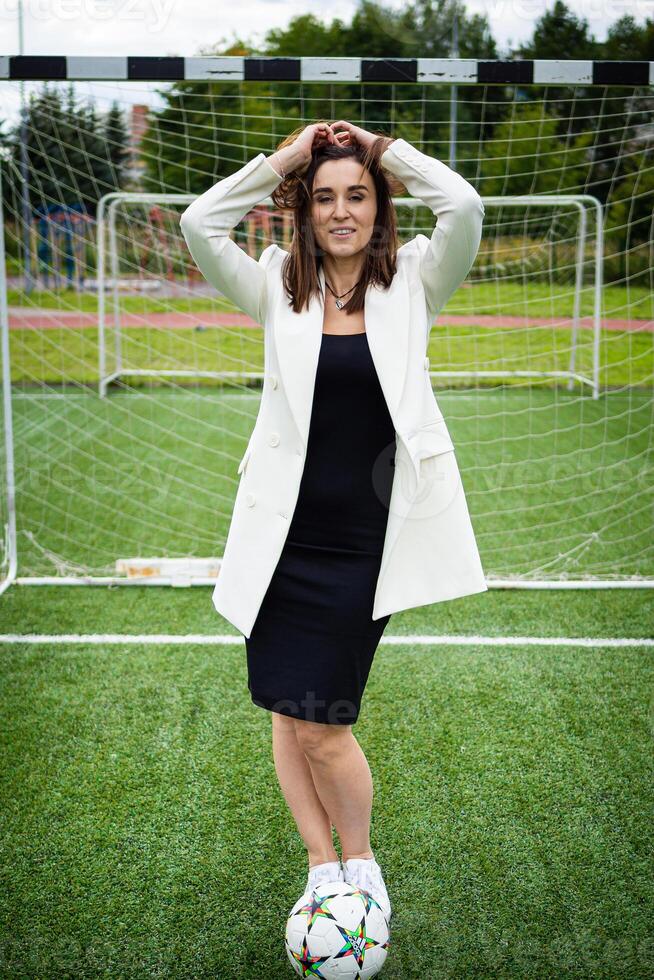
(338, 932)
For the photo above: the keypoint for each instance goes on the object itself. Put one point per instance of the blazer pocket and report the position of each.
(432, 439)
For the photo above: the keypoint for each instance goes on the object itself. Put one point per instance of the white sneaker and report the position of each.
(365, 873)
(319, 873)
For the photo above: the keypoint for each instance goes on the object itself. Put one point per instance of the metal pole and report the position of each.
(597, 305)
(453, 105)
(24, 170)
(10, 542)
(579, 285)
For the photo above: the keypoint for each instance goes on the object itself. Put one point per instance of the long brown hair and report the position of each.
(300, 272)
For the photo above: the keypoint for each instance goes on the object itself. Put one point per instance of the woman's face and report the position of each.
(343, 196)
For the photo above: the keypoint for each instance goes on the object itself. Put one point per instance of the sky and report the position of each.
(185, 27)
(181, 27)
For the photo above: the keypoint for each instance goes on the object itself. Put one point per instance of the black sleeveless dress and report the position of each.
(314, 639)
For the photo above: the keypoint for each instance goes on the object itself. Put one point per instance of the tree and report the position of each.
(629, 214)
(628, 41)
(560, 33)
(114, 132)
(528, 155)
(68, 163)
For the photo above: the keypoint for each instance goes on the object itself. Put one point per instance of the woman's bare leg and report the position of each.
(342, 780)
(297, 785)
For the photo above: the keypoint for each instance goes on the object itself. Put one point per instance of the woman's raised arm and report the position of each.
(446, 257)
(206, 225)
(207, 222)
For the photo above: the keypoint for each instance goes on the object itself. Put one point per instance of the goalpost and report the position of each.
(130, 387)
(107, 233)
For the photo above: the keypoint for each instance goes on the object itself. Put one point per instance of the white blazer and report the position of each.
(430, 552)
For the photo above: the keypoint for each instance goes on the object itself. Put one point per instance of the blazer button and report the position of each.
(250, 499)
(274, 439)
(273, 380)
(426, 364)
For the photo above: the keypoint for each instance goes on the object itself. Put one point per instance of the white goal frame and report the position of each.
(106, 230)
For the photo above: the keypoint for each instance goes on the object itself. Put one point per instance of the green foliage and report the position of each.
(559, 33)
(116, 139)
(527, 156)
(628, 222)
(73, 157)
(628, 41)
(308, 35)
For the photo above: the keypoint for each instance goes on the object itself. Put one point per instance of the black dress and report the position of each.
(313, 641)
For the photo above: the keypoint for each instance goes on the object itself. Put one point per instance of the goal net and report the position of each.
(132, 386)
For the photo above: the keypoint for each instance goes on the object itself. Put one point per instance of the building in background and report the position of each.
(135, 166)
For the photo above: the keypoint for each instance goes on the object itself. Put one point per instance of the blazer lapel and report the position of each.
(298, 338)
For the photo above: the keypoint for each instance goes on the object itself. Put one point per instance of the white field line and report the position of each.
(201, 639)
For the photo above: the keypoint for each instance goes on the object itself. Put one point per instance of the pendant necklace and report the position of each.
(339, 304)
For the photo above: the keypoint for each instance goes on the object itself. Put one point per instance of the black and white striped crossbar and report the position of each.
(462, 71)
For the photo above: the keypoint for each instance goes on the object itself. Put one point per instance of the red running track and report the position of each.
(29, 319)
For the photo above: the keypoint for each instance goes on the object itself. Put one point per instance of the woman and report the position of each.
(311, 647)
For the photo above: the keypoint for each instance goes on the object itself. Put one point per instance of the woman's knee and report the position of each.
(319, 741)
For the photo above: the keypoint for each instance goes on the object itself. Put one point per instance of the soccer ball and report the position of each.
(338, 932)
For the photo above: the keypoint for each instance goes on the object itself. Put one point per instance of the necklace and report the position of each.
(339, 305)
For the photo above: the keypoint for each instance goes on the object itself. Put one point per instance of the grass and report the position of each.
(558, 485)
(144, 834)
(70, 300)
(61, 355)
(492, 298)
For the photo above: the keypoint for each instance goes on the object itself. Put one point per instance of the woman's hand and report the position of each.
(296, 156)
(354, 134)
(315, 135)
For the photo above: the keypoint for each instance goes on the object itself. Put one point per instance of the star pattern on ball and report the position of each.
(309, 965)
(368, 900)
(356, 942)
(316, 908)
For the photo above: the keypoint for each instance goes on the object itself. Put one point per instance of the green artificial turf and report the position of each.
(144, 834)
(558, 484)
(62, 356)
